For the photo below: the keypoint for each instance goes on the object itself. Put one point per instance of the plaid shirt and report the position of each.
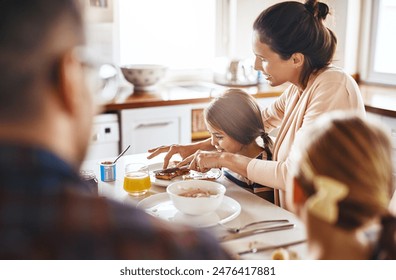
(46, 212)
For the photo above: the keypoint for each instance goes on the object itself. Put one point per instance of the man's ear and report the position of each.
(70, 80)
(297, 59)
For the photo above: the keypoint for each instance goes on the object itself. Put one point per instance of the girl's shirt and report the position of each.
(261, 190)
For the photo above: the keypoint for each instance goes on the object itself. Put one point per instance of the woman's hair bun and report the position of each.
(318, 9)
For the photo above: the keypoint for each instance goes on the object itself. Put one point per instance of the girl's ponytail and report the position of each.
(267, 144)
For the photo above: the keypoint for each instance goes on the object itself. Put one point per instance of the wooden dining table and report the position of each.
(252, 209)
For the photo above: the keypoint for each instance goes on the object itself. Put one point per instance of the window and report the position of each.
(191, 37)
(178, 33)
(382, 57)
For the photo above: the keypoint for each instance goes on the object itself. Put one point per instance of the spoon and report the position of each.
(238, 229)
(122, 153)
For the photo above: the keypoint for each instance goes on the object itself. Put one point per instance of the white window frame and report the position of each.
(369, 26)
(224, 41)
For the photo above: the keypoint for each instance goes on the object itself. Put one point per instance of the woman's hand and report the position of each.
(203, 161)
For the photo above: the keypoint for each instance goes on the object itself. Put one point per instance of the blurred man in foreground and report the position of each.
(46, 109)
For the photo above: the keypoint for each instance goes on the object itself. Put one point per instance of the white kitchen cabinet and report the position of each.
(105, 137)
(374, 117)
(146, 128)
(390, 123)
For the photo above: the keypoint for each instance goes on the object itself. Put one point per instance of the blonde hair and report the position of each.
(239, 115)
(353, 151)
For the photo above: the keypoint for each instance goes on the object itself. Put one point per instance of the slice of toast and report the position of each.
(169, 174)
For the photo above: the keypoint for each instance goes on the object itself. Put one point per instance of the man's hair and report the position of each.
(29, 51)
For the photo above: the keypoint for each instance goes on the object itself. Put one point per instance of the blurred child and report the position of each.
(340, 185)
(236, 126)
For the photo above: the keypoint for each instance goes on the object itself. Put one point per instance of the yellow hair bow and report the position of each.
(324, 203)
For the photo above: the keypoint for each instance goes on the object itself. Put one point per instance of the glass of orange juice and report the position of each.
(137, 179)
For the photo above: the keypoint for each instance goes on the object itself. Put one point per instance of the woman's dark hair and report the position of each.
(292, 27)
(238, 114)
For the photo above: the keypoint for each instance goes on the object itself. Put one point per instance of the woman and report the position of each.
(291, 44)
(235, 125)
(341, 184)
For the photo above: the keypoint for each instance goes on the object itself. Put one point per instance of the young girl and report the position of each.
(235, 124)
(340, 185)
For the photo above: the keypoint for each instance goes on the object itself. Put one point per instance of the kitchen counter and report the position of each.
(377, 99)
(171, 95)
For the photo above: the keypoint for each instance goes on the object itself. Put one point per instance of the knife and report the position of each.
(273, 247)
(254, 231)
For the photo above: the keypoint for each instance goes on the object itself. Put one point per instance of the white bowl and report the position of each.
(143, 76)
(196, 205)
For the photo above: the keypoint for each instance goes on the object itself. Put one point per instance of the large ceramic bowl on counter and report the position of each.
(196, 197)
(144, 77)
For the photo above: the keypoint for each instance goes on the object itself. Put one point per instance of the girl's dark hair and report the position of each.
(238, 114)
(292, 27)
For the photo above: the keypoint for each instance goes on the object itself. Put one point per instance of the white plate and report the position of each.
(160, 205)
(215, 172)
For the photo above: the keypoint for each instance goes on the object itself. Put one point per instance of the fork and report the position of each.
(238, 229)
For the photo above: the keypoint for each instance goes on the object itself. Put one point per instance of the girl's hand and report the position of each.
(171, 150)
(183, 150)
(203, 161)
